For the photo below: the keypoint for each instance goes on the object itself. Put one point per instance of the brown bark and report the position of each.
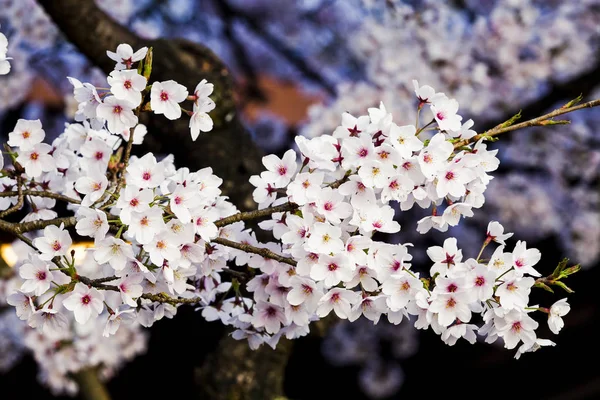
(235, 372)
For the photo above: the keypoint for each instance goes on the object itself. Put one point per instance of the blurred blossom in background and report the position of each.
(300, 64)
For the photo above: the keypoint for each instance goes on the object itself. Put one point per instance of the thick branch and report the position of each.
(251, 215)
(20, 228)
(90, 386)
(261, 251)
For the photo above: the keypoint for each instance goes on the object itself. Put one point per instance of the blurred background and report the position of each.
(297, 65)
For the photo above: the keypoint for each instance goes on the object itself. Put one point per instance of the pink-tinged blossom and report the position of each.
(279, 170)
(37, 160)
(446, 259)
(92, 187)
(365, 277)
(125, 57)
(453, 180)
(304, 291)
(87, 97)
(204, 223)
(23, 305)
(85, 302)
(482, 280)
(380, 219)
(404, 140)
(118, 114)
(184, 199)
(299, 229)
(426, 94)
(495, 232)
(265, 192)
(524, 259)
(120, 316)
(37, 276)
(127, 85)
(325, 239)
(515, 327)
(555, 314)
(357, 150)
(114, 251)
(132, 199)
(331, 205)
(161, 249)
(305, 187)
(269, 316)
(130, 289)
(146, 224)
(145, 172)
(351, 126)
(450, 307)
(375, 174)
(333, 269)
(92, 223)
(55, 242)
(165, 98)
(398, 187)
(401, 289)
(371, 307)
(49, 321)
(514, 291)
(96, 156)
(444, 111)
(339, 300)
(26, 134)
(200, 121)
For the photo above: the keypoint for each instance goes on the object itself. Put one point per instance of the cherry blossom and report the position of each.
(127, 85)
(557, 311)
(55, 242)
(85, 302)
(165, 98)
(26, 134)
(118, 114)
(125, 57)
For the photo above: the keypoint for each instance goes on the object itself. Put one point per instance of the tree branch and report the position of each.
(251, 215)
(37, 193)
(544, 120)
(261, 251)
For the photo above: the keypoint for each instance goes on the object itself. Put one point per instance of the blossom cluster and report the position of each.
(166, 236)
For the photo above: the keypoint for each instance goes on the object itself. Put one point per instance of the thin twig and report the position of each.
(544, 120)
(246, 216)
